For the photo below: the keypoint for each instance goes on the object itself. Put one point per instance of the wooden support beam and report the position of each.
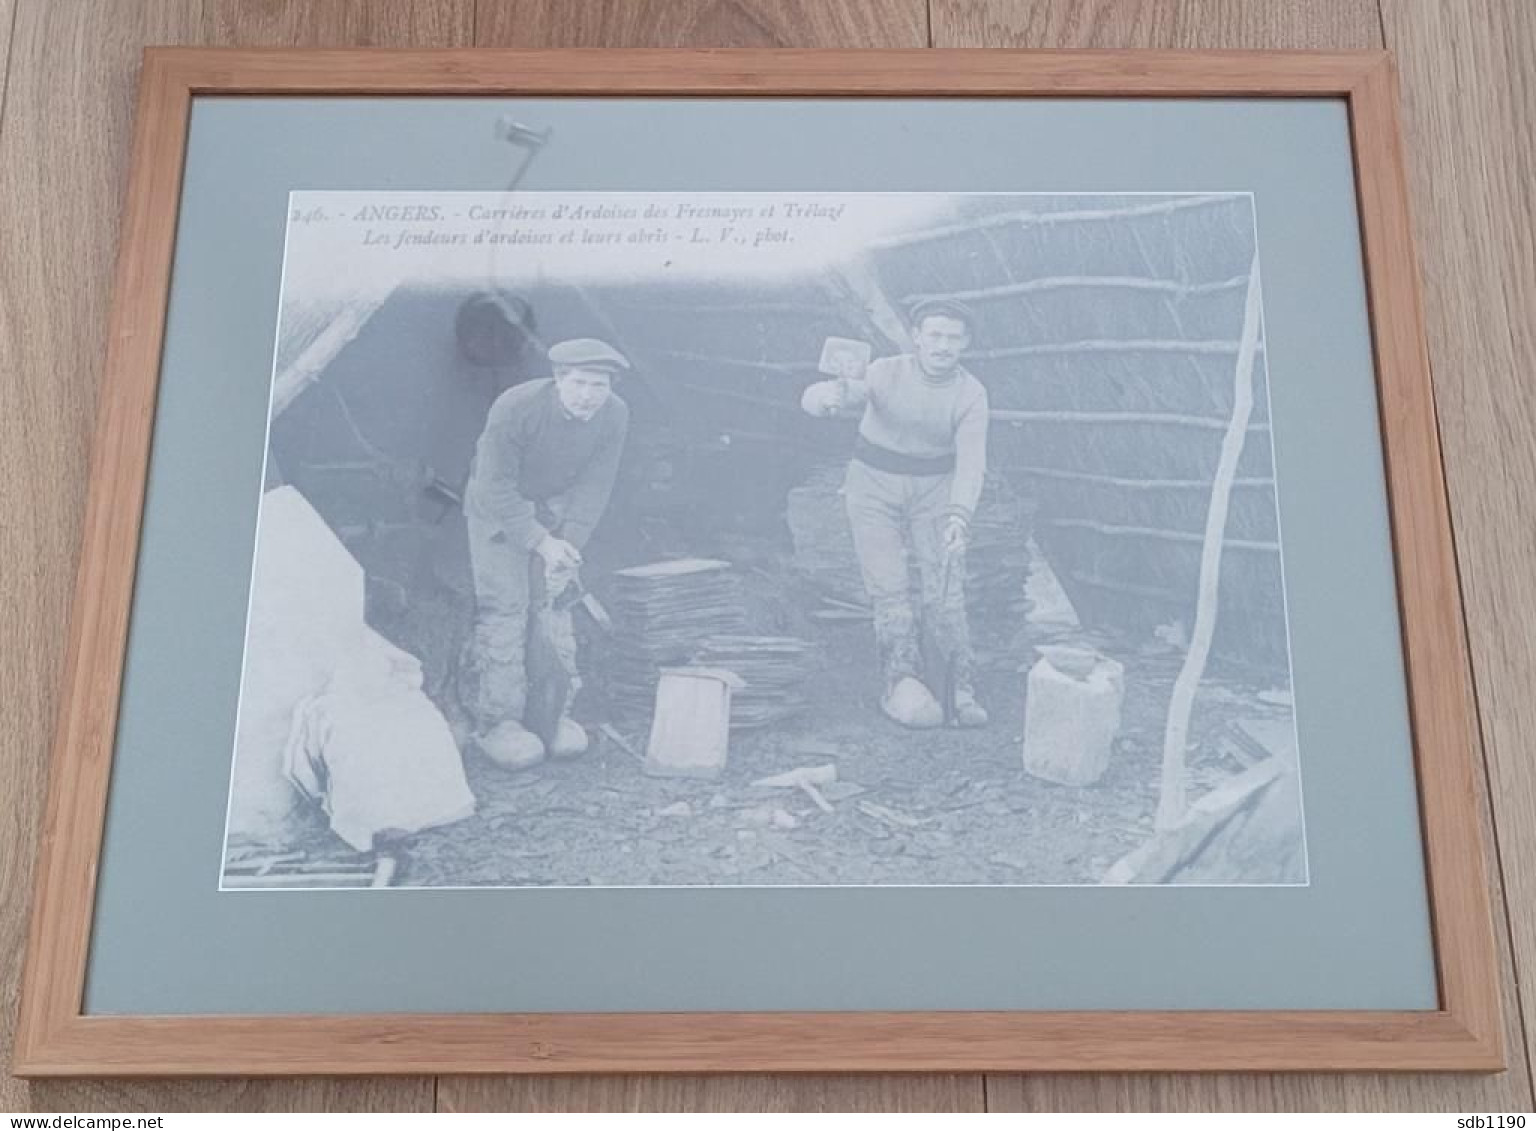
(1080, 282)
(1128, 483)
(1109, 345)
(1073, 416)
(1111, 530)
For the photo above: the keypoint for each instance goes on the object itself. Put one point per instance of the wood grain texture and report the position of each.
(340, 23)
(1470, 109)
(701, 23)
(770, 72)
(1310, 24)
(14, 827)
(1182, 24)
(921, 1092)
(7, 25)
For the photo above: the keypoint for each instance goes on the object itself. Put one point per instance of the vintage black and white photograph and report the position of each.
(766, 538)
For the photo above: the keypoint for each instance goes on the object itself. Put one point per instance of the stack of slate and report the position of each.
(774, 669)
(818, 523)
(997, 560)
(662, 613)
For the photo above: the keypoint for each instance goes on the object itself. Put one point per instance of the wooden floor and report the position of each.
(1469, 76)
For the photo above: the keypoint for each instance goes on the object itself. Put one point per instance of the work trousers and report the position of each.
(511, 601)
(897, 522)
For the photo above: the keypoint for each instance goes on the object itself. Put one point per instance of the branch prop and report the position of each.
(1073, 416)
(1172, 797)
(1131, 484)
(1050, 283)
(1110, 345)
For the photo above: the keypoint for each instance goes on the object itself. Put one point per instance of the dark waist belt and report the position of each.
(899, 463)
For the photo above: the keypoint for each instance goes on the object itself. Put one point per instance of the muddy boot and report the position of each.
(912, 705)
(511, 747)
(570, 739)
(968, 712)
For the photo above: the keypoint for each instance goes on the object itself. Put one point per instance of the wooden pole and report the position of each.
(298, 376)
(1050, 283)
(1072, 416)
(1171, 800)
(1108, 345)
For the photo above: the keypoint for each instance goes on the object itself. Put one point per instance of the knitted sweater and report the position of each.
(904, 410)
(532, 451)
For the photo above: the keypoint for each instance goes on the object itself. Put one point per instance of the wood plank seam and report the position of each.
(5, 63)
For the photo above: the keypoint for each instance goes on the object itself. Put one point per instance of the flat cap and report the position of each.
(587, 353)
(949, 307)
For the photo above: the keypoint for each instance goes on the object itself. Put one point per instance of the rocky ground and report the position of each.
(907, 807)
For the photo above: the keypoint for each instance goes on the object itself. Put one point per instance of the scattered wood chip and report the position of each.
(1010, 861)
(839, 614)
(841, 790)
(781, 846)
(813, 749)
(814, 794)
(793, 779)
(610, 732)
(890, 816)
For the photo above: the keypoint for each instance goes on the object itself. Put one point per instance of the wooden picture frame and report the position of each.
(56, 1038)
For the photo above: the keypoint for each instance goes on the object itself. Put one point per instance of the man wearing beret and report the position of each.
(911, 490)
(543, 471)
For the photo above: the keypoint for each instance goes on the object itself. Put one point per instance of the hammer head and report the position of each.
(511, 130)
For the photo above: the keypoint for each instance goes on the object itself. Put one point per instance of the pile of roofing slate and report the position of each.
(662, 613)
(774, 669)
(997, 558)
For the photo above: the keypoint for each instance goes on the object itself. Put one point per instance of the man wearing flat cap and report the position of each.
(543, 471)
(911, 490)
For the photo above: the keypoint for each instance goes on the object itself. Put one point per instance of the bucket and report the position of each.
(1071, 714)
